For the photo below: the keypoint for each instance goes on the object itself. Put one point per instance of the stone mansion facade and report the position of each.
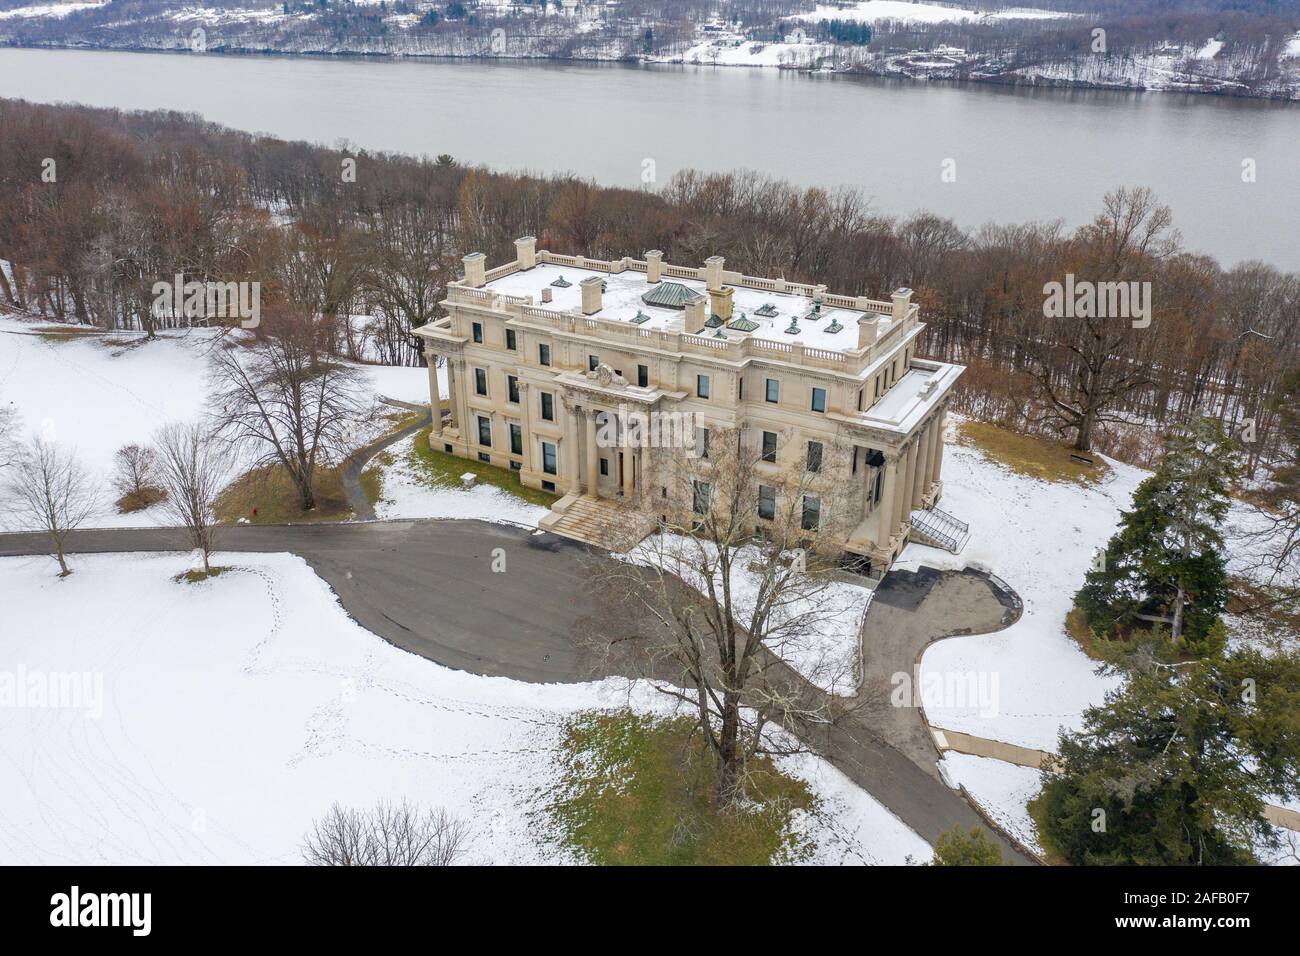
(543, 351)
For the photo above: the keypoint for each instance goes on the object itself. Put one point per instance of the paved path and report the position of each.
(428, 587)
(909, 611)
(356, 462)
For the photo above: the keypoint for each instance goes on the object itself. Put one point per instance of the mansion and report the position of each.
(544, 351)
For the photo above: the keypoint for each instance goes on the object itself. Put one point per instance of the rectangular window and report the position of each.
(485, 458)
(702, 386)
(702, 441)
(480, 381)
(812, 512)
(593, 362)
(516, 439)
(814, 456)
(740, 389)
(769, 446)
(548, 458)
(700, 497)
(548, 486)
(478, 332)
(860, 399)
(548, 407)
(773, 391)
(516, 466)
(543, 354)
(511, 342)
(875, 389)
(485, 431)
(643, 376)
(604, 467)
(819, 400)
(512, 388)
(766, 502)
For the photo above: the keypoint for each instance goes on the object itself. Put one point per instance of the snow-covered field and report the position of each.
(903, 11)
(231, 713)
(96, 392)
(1002, 789)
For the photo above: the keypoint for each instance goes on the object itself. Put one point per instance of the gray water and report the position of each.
(1018, 154)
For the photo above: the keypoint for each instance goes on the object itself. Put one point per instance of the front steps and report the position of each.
(604, 522)
(939, 529)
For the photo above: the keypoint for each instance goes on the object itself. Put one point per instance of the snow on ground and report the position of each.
(1209, 50)
(216, 725)
(1002, 789)
(56, 10)
(96, 392)
(1039, 537)
(1292, 47)
(817, 633)
(755, 53)
(903, 11)
(407, 494)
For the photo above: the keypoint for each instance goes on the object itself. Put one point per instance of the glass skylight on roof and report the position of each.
(561, 283)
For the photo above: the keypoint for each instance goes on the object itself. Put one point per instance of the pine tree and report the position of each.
(1164, 565)
(1177, 765)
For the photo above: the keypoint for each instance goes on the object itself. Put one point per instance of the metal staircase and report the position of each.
(939, 529)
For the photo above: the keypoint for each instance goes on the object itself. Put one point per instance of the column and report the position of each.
(924, 445)
(886, 507)
(571, 448)
(905, 492)
(435, 397)
(935, 438)
(629, 471)
(526, 425)
(453, 381)
(940, 423)
(593, 459)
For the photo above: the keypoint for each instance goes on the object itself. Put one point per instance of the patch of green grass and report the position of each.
(1030, 456)
(441, 470)
(195, 576)
(271, 492)
(635, 790)
(146, 497)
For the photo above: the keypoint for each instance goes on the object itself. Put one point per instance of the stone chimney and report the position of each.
(720, 302)
(654, 265)
(475, 270)
(713, 273)
(693, 320)
(592, 290)
(902, 299)
(526, 252)
(868, 330)
(548, 294)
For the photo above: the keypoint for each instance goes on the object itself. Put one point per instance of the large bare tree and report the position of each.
(52, 492)
(286, 400)
(191, 471)
(737, 582)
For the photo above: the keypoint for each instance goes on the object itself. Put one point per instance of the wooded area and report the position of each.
(139, 198)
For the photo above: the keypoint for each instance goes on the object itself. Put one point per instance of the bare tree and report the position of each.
(135, 474)
(387, 835)
(287, 400)
(53, 493)
(191, 473)
(736, 584)
(8, 436)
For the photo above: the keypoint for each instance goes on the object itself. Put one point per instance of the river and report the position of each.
(974, 152)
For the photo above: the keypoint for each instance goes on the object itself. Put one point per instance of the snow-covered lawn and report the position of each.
(55, 10)
(95, 392)
(1002, 789)
(235, 711)
(1039, 537)
(408, 494)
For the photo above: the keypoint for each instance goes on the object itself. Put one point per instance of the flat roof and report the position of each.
(622, 301)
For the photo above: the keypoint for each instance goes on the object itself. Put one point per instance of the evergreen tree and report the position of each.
(957, 847)
(1164, 565)
(1177, 765)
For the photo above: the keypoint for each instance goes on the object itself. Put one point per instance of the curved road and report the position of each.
(429, 587)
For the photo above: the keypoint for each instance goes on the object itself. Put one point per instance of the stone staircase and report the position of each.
(604, 522)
